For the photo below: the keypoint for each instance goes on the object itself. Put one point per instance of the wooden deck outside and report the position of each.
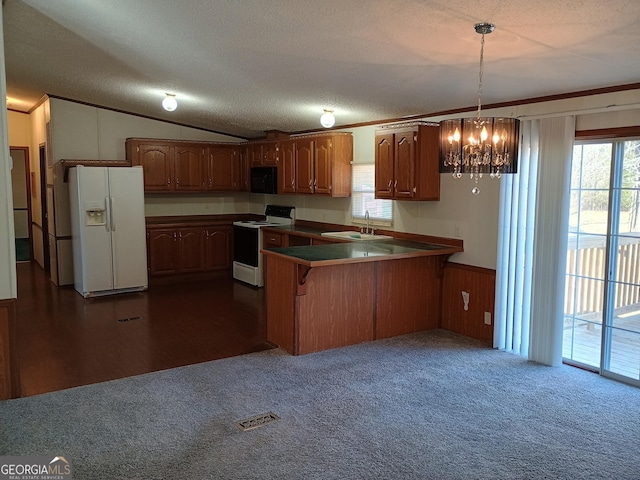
(584, 301)
(625, 343)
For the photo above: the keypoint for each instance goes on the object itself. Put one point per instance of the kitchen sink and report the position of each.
(356, 236)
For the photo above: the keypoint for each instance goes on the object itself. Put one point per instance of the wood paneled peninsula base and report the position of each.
(328, 296)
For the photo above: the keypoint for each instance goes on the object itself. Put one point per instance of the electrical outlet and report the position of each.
(487, 318)
(457, 231)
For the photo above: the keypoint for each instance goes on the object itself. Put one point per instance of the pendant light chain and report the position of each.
(480, 75)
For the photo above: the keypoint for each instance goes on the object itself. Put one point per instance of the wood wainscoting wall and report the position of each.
(480, 283)
(9, 384)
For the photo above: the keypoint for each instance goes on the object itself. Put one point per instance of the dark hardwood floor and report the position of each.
(66, 341)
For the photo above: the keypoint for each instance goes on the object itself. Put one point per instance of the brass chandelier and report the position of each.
(479, 145)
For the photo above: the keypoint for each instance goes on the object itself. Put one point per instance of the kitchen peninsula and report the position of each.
(327, 296)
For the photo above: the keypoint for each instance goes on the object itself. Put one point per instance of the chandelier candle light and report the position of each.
(479, 145)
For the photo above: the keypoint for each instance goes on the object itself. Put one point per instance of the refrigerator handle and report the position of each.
(112, 215)
(107, 205)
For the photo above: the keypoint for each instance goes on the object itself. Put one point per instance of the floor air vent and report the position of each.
(128, 319)
(257, 421)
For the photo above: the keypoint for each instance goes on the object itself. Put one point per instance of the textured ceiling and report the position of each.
(246, 66)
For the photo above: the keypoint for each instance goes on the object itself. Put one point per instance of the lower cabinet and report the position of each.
(162, 252)
(218, 242)
(193, 249)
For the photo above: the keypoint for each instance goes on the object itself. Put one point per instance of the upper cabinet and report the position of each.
(224, 168)
(156, 159)
(263, 154)
(407, 159)
(178, 166)
(189, 167)
(307, 164)
(316, 164)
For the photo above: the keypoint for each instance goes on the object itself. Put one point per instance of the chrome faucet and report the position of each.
(366, 217)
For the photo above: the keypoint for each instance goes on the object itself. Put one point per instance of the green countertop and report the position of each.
(300, 229)
(354, 252)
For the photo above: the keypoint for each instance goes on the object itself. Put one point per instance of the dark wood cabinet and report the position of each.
(175, 250)
(323, 166)
(244, 169)
(189, 167)
(179, 166)
(384, 165)
(287, 168)
(156, 159)
(162, 247)
(407, 159)
(305, 150)
(255, 154)
(307, 164)
(223, 168)
(189, 246)
(264, 154)
(317, 164)
(270, 153)
(273, 239)
(218, 247)
(191, 249)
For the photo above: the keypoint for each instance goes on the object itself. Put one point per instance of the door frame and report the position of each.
(27, 169)
(46, 255)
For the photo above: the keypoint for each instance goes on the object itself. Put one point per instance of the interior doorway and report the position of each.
(21, 187)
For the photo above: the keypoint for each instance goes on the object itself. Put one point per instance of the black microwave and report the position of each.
(264, 180)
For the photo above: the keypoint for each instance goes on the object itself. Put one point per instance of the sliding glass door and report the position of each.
(602, 286)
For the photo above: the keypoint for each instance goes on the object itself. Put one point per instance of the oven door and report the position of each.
(245, 245)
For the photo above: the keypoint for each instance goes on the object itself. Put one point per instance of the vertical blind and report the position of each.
(363, 196)
(532, 243)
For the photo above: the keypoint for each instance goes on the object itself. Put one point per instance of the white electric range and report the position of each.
(247, 242)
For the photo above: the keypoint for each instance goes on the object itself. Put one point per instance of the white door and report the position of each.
(128, 227)
(95, 236)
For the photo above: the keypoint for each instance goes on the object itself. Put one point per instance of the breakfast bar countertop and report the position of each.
(357, 252)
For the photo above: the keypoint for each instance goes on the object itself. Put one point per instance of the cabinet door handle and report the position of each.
(315, 182)
(293, 183)
(395, 184)
(390, 182)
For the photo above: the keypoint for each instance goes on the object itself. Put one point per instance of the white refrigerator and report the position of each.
(108, 230)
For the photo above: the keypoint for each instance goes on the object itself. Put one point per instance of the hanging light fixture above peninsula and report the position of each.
(479, 145)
